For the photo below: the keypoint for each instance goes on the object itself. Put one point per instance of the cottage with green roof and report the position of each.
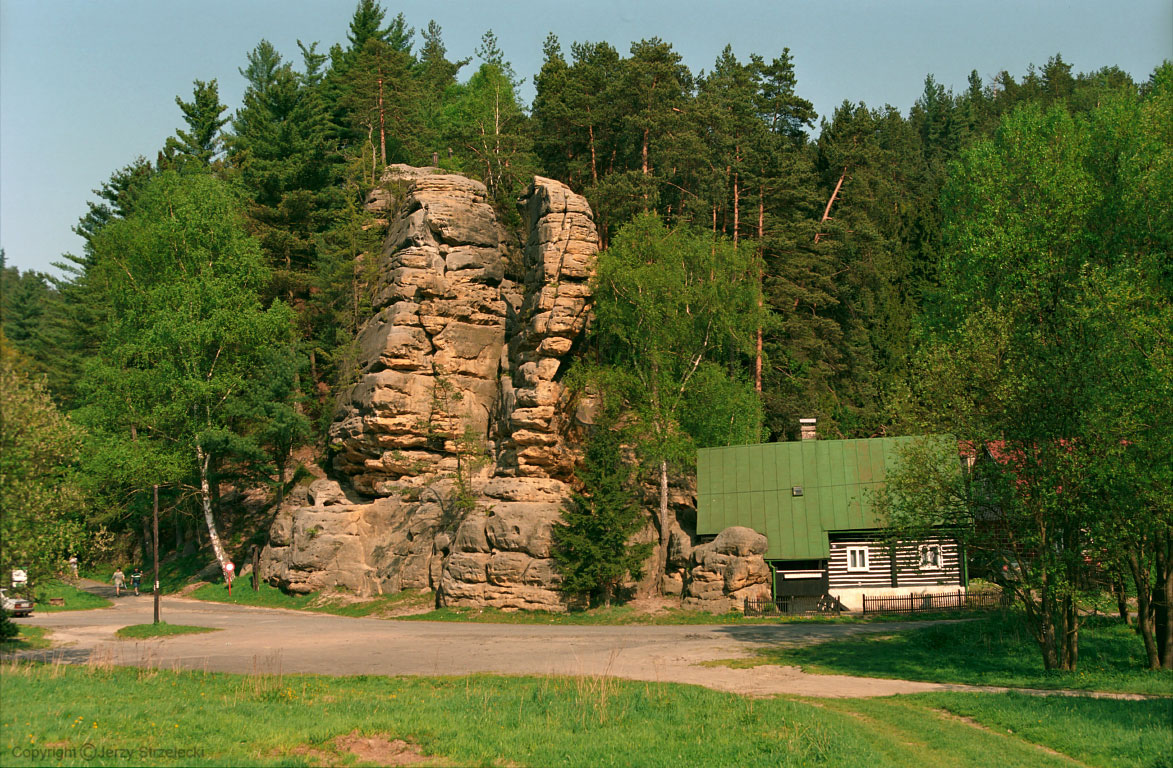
(811, 500)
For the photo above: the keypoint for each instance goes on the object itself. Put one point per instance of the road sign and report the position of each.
(19, 577)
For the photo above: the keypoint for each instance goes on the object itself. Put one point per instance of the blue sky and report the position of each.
(87, 86)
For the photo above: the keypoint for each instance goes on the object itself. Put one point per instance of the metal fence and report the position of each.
(805, 605)
(944, 601)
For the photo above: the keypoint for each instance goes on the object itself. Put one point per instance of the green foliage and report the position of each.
(24, 300)
(162, 629)
(991, 650)
(192, 365)
(42, 500)
(281, 151)
(201, 142)
(592, 544)
(1041, 352)
(484, 122)
(271, 719)
(75, 599)
(672, 306)
(9, 629)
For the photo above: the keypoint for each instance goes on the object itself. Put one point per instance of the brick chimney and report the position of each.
(808, 429)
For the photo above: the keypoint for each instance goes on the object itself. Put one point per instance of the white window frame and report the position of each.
(860, 556)
(928, 566)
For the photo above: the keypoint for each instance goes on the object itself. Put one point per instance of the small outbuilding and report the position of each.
(813, 501)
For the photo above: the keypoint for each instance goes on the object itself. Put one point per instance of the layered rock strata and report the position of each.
(722, 574)
(454, 434)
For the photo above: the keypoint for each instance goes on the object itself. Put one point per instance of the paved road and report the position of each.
(269, 640)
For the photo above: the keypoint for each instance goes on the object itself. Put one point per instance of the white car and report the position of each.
(17, 606)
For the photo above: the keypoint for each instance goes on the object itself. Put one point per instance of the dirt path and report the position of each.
(274, 640)
(261, 639)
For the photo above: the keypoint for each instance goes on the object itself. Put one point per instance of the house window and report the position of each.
(857, 558)
(930, 557)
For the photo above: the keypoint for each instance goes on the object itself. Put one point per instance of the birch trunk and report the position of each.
(206, 498)
(757, 363)
(382, 126)
(594, 172)
(662, 557)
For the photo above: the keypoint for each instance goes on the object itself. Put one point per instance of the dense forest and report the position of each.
(889, 272)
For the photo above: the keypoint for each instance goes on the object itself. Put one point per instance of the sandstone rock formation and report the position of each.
(454, 435)
(724, 572)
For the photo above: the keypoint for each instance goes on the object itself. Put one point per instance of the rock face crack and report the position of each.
(459, 367)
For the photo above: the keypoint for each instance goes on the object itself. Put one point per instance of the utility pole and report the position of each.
(156, 538)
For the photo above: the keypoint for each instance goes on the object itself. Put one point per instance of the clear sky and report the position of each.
(87, 85)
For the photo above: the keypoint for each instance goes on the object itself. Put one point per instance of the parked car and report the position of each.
(16, 606)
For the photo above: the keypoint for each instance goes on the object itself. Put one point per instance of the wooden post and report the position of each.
(156, 540)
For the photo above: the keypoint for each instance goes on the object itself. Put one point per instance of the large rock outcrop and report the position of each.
(724, 572)
(454, 435)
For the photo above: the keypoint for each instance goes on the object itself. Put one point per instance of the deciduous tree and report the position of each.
(188, 345)
(670, 304)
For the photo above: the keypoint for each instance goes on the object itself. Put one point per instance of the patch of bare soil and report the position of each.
(186, 591)
(407, 609)
(425, 602)
(380, 750)
(337, 598)
(370, 750)
(653, 605)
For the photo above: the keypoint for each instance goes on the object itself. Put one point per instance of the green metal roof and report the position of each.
(751, 485)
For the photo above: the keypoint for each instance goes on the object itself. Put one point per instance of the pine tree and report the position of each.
(367, 24)
(201, 142)
(592, 544)
(281, 150)
(380, 100)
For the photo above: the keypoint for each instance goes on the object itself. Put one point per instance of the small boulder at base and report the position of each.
(728, 570)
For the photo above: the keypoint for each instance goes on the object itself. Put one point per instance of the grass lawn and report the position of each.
(30, 638)
(271, 597)
(270, 719)
(75, 599)
(162, 629)
(1094, 731)
(615, 615)
(995, 649)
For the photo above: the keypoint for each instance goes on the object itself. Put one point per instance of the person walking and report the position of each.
(119, 581)
(73, 566)
(136, 578)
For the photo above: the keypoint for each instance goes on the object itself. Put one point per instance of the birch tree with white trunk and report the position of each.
(676, 317)
(188, 348)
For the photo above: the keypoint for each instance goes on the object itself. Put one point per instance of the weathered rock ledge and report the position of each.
(459, 375)
(454, 446)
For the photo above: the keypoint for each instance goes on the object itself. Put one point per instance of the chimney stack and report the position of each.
(808, 429)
